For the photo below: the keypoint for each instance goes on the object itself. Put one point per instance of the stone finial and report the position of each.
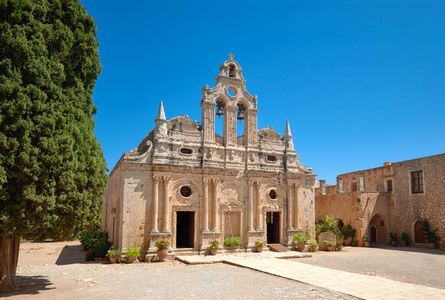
(287, 132)
(231, 56)
(161, 114)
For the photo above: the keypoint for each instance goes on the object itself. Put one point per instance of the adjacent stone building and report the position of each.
(388, 199)
(193, 185)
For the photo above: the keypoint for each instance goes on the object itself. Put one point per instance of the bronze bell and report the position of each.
(240, 115)
(219, 111)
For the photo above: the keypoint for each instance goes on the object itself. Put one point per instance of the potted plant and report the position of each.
(430, 235)
(162, 243)
(393, 238)
(339, 243)
(214, 247)
(259, 246)
(133, 253)
(234, 241)
(348, 233)
(404, 239)
(366, 238)
(114, 255)
(313, 245)
(330, 245)
(300, 238)
(326, 229)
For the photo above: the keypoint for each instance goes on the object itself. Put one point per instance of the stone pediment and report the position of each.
(269, 134)
(182, 123)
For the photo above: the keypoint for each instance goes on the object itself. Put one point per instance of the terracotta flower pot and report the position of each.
(132, 259)
(431, 245)
(339, 247)
(301, 247)
(213, 251)
(366, 244)
(259, 249)
(330, 248)
(162, 254)
(113, 259)
(347, 241)
(403, 243)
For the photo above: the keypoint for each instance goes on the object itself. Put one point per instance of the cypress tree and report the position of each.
(52, 169)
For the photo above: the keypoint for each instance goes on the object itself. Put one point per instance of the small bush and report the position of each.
(313, 243)
(114, 253)
(87, 237)
(259, 243)
(162, 242)
(329, 224)
(302, 236)
(404, 237)
(366, 237)
(133, 251)
(354, 244)
(214, 244)
(329, 243)
(232, 241)
(347, 231)
(100, 247)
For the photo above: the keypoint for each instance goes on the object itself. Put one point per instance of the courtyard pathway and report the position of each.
(358, 285)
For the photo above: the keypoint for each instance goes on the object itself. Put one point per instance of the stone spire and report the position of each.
(161, 122)
(287, 132)
(161, 114)
(289, 145)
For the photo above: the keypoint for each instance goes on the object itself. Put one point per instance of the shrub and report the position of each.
(87, 237)
(354, 243)
(232, 241)
(404, 237)
(330, 243)
(133, 251)
(114, 253)
(302, 236)
(393, 236)
(259, 243)
(214, 244)
(329, 224)
(347, 231)
(313, 243)
(162, 242)
(429, 234)
(339, 240)
(366, 237)
(100, 246)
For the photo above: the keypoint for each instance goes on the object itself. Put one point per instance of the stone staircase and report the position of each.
(278, 248)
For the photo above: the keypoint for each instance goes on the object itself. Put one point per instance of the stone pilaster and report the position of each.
(250, 207)
(166, 206)
(290, 211)
(155, 204)
(258, 206)
(297, 207)
(339, 184)
(361, 183)
(205, 207)
(215, 206)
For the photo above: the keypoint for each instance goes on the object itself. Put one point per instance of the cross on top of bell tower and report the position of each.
(231, 56)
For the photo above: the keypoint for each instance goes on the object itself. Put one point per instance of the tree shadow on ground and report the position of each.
(410, 249)
(30, 285)
(74, 254)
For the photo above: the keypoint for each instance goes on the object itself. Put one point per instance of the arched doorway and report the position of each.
(378, 224)
(373, 234)
(419, 233)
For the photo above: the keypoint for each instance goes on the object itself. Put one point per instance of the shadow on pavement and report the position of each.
(30, 285)
(410, 249)
(74, 254)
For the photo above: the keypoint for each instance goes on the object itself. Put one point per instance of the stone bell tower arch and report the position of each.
(234, 102)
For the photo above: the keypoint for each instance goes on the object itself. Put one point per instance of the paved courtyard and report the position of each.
(58, 271)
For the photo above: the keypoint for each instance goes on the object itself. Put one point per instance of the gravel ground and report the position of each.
(413, 265)
(58, 271)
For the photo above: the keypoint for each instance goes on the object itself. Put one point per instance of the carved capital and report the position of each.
(157, 179)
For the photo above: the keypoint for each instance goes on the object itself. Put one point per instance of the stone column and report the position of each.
(215, 206)
(339, 185)
(290, 214)
(205, 207)
(297, 207)
(258, 202)
(155, 205)
(166, 207)
(361, 183)
(322, 187)
(250, 207)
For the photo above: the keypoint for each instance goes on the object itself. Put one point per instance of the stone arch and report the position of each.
(379, 222)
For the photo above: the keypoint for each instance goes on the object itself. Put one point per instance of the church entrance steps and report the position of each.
(278, 248)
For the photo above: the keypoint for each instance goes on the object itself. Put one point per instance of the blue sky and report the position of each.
(360, 82)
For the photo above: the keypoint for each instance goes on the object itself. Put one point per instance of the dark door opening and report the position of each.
(373, 234)
(185, 229)
(273, 227)
(419, 238)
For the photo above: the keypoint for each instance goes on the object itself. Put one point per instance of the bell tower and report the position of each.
(231, 99)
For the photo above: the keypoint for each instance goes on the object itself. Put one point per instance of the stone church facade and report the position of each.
(193, 185)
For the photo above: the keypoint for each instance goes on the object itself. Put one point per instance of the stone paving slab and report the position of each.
(224, 257)
(358, 285)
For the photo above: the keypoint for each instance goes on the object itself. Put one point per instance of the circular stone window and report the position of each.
(273, 194)
(185, 191)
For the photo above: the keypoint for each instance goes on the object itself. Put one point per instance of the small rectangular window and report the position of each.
(389, 186)
(381, 223)
(416, 182)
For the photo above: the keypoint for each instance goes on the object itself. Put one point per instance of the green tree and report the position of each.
(52, 169)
